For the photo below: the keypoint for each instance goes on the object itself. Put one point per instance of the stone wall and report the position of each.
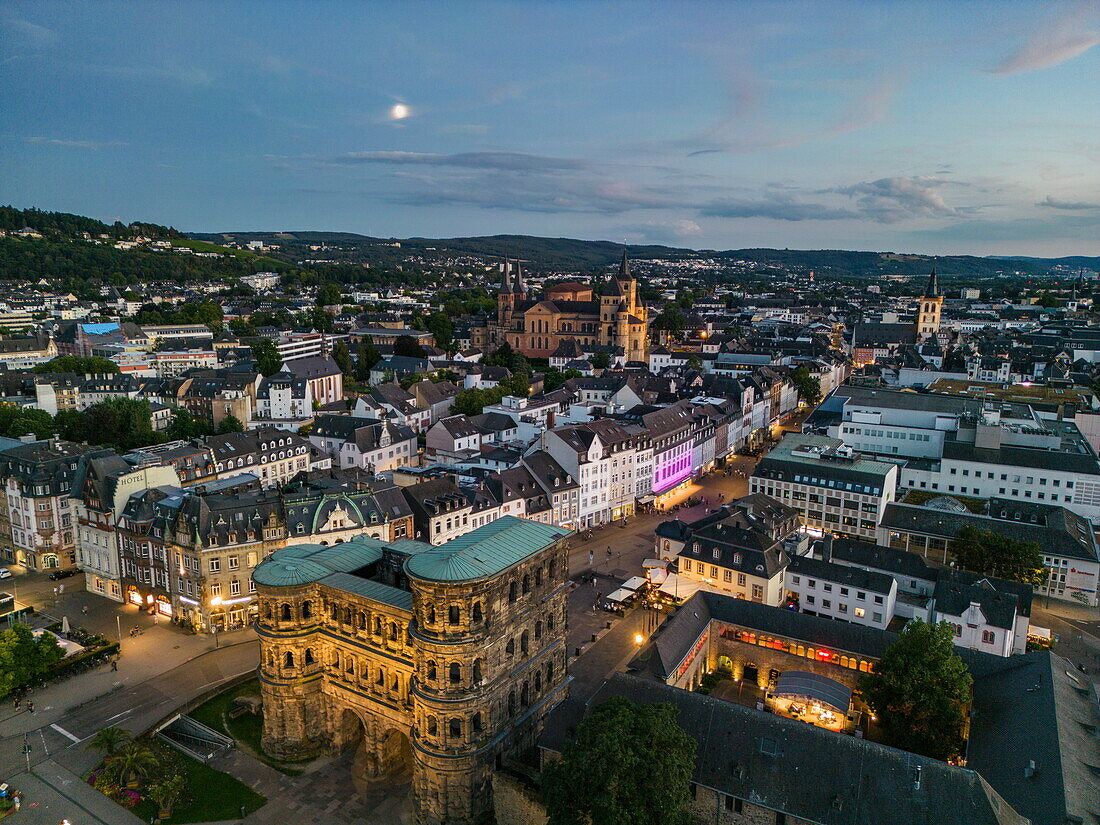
(710, 807)
(516, 801)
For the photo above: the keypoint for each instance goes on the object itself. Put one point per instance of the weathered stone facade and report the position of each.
(436, 660)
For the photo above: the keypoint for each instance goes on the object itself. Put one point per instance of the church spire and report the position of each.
(624, 267)
(506, 285)
(519, 289)
(933, 290)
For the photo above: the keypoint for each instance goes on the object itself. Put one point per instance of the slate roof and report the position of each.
(802, 770)
(376, 591)
(319, 366)
(875, 556)
(485, 551)
(841, 574)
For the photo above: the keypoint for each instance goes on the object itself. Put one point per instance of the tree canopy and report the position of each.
(267, 357)
(79, 364)
(629, 765)
(808, 386)
(406, 345)
(24, 658)
(670, 320)
(991, 554)
(920, 691)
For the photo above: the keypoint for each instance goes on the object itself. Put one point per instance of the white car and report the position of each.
(5, 573)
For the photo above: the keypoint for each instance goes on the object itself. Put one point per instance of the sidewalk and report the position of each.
(51, 794)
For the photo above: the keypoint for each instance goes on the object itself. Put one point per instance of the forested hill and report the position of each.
(63, 224)
(566, 253)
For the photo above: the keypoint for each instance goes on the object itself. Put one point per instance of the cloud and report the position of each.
(1052, 45)
(1056, 203)
(31, 34)
(76, 144)
(888, 200)
(777, 209)
(510, 161)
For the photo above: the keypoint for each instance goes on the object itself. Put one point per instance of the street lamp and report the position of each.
(638, 638)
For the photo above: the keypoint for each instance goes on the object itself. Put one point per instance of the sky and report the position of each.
(943, 128)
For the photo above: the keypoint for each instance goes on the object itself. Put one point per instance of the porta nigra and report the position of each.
(434, 661)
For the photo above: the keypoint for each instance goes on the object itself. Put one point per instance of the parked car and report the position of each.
(5, 573)
(63, 574)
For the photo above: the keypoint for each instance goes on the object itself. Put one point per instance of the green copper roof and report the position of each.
(485, 551)
(305, 563)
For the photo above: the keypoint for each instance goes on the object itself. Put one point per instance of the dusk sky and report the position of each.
(961, 127)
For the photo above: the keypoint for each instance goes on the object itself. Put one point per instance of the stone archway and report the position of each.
(395, 756)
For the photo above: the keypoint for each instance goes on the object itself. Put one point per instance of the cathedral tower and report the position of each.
(928, 319)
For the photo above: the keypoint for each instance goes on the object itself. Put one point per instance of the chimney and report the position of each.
(827, 548)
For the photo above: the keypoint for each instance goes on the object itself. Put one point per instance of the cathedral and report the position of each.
(535, 326)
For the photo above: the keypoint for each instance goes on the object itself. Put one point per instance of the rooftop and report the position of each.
(484, 551)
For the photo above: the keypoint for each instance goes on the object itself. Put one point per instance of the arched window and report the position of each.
(309, 660)
(510, 648)
(549, 622)
(347, 615)
(477, 611)
(456, 726)
(381, 679)
(512, 592)
(453, 614)
(551, 568)
(433, 727)
(525, 695)
(377, 625)
(538, 630)
(455, 673)
(538, 683)
(431, 671)
(476, 722)
(511, 703)
(549, 673)
(288, 659)
(267, 610)
(538, 577)
(430, 616)
(307, 610)
(362, 621)
(477, 670)
(284, 613)
(524, 642)
(393, 631)
(526, 584)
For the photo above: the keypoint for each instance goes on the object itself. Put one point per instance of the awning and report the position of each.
(634, 583)
(680, 587)
(620, 595)
(645, 500)
(648, 563)
(801, 684)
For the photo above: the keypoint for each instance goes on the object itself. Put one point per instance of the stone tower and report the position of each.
(441, 678)
(506, 300)
(928, 319)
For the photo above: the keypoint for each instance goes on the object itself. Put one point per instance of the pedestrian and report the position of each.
(114, 664)
(55, 592)
(609, 551)
(84, 610)
(17, 703)
(30, 707)
(589, 558)
(61, 589)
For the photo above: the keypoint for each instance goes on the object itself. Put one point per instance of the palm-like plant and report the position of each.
(132, 762)
(108, 740)
(167, 794)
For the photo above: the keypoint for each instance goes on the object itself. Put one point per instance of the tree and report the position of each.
(230, 424)
(342, 357)
(629, 765)
(920, 691)
(1048, 301)
(554, 378)
(109, 740)
(18, 421)
(441, 328)
(601, 360)
(329, 295)
(25, 657)
(130, 763)
(368, 357)
(167, 794)
(670, 320)
(471, 402)
(808, 386)
(78, 364)
(184, 425)
(992, 554)
(123, 423)
(71, 425)
(267, 357)
(406, 345)
(695, 362)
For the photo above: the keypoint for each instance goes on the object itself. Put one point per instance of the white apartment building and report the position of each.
(170, 363)
(844, 593)
(833, 488)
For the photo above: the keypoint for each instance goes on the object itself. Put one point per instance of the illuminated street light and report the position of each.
(638, 638)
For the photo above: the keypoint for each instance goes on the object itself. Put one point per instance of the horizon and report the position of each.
(936, 129)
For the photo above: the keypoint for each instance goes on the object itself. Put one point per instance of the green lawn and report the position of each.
(212, 795)
(247, 728)
(206, 246)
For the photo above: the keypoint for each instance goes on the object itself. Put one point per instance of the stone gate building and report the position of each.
(434, 660)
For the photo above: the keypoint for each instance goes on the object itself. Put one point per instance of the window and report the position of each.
(455, 672)
(234, 588)
(215, 565)
(234, 562)
(453, 614)
(987, 637)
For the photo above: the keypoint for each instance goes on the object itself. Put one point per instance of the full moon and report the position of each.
(399, 111)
